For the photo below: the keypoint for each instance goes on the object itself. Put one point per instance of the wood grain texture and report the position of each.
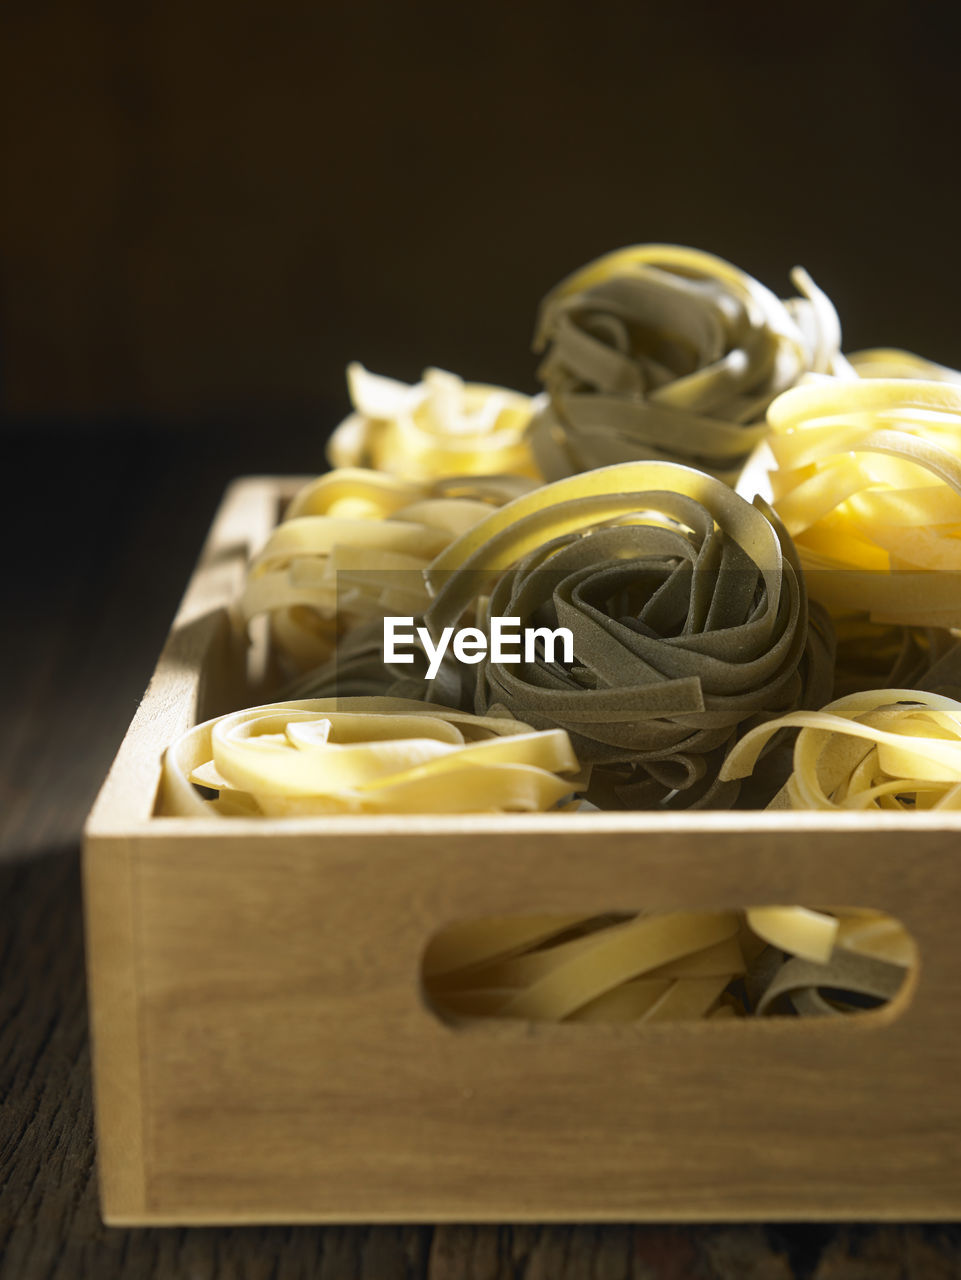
(289, 1069)
(84, 656)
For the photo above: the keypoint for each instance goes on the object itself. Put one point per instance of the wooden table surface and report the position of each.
(103, 528)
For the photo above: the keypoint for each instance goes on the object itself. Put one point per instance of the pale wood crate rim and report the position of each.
(636, 822)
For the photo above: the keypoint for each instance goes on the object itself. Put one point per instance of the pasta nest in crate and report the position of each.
(877, 749)
(365, 755)
(688, 613)
(440, 426)
(868, 483)
(352, 548)
(668, 353)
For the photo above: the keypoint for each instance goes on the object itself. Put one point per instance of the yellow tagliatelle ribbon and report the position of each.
(880, 749)
(657, 967)
(890, 362)
(353, 547)
(439, 427)
(868, 483)
(687, 612)
(668, 353)
(365, 755)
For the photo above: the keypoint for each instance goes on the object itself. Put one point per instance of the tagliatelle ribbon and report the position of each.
(359, 668)
(438, 427)
(645, 968)
(847, 976)
(669, 353)
(891, 362)
(353, 547)
(809, 934)
(879, 749)
(873, 656)
(688, 615)
(675, 966)
(365, 755)
(868, 483)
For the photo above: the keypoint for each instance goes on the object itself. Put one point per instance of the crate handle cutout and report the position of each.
(676, 966)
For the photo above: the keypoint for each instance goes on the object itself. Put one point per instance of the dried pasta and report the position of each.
(353, 547)
(439, 427)
(703, 625)
(668, 353)
(667, 966)
(365, 755)
(878, 749)
(873, 656)
(891, 362)
(687, 610)
(868, 484)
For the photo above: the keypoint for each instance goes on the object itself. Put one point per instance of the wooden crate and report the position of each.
(263, 1051)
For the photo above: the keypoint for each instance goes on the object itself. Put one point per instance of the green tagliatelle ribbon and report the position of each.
(365, 755)
(687, 610)
(438, 427)
(669, 353)
(352, 548)
(358, 668)
(873, 656)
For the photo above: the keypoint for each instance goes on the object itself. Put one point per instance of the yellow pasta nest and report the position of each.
(688, 615)
(441, 426)
(668, 353)
(365, 755)
(881, 749)
(868, 483)
(353, 547)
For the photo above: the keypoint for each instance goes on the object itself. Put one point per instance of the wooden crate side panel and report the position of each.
(114, 1008)
(201, 668)
(292, 1071)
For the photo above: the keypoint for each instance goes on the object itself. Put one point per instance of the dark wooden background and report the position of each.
(210, 207)
(206, 211)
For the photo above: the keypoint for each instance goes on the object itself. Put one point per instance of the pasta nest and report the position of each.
(668, 353)
(441, 426)
(868, 483)
(688, 614)
(878, 749)
(365, 755)
(352, 548)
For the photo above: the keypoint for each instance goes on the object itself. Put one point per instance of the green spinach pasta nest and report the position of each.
(669, 353)
(689, 618)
